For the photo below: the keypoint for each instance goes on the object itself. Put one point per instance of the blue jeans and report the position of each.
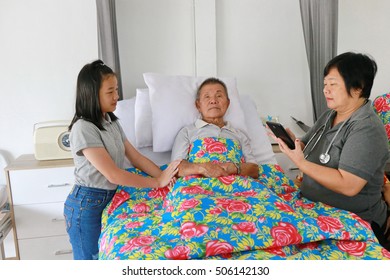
(83, 212)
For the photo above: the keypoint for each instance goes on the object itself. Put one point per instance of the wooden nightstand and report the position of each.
(38, 190)
(287, 165)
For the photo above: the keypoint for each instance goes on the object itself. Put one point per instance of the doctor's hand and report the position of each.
(273, 136)
(295, 155)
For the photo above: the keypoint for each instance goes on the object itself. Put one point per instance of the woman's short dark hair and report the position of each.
(211, 81)
(358, 71)
(89, 81)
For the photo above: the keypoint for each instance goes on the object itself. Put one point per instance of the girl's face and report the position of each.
(108, 94)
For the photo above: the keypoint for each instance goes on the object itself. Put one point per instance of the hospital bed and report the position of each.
(233, 217)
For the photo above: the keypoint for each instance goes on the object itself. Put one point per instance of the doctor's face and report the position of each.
(213, 101)
(336, 95)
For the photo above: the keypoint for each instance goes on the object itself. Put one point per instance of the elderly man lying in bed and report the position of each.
(216, 135)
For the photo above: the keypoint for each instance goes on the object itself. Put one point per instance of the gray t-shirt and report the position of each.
(360, 148)
(202, 129)
(85, 134)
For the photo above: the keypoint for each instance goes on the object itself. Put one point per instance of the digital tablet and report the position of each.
(281, 133)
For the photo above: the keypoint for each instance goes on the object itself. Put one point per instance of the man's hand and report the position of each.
(213, 170)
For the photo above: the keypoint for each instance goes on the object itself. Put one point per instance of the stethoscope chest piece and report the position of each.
(324, 158)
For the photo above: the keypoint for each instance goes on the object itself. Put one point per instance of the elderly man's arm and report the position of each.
(245, 169)
(207, 169)
(250, 169)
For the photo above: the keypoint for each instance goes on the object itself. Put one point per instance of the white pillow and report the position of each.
(172, 99)
(143, 119)
(125, 113)
(260, 143)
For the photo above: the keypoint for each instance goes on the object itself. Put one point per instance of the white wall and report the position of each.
(154, 36)
(261, 43)
(364, 26)
(44, 44)
(227, 38)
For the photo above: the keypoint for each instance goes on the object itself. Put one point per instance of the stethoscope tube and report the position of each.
(324, 157)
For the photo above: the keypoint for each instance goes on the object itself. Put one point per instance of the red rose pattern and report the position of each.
(208, 140)
(191, 229)
(286, 196)
(285, 234)
(215, 211)
(216, 247)
(329, 224)
(279, 168)
(161, 192)
(355, 248)
(288, 188)
(188, 204)
(117, 200)
(146, 250)
(137, 242)
(189, 177)
(385, 253)
(227, 180)
(346, 235)
(361, 221)
(141, 208)
(245, 227)
(276, 251)
(232, 206)
(196, 190)
(250, 193)
(178, 253)
(215, 147)
(284, 207)
(310, 246)
(387, 127)
(122, 216)
(381, 105)
(135, 215)
(134, 225)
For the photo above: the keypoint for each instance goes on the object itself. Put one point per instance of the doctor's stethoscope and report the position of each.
(324, 157)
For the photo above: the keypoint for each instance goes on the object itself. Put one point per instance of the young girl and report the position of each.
(99, 147)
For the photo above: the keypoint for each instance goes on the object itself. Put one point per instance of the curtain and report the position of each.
(320, 23)
(108, 38)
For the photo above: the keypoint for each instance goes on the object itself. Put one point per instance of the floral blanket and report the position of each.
(233, 217)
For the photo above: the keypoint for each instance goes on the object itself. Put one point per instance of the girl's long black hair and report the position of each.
(89, 82)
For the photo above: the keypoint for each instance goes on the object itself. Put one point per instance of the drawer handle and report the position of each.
(55, 220)
(63, 252)
(59, 185)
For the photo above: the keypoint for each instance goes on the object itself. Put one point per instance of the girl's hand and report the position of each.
(167, 177)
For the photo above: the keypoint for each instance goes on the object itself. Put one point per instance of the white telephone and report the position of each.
(51, 140)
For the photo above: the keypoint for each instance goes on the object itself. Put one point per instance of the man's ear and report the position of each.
(197, 104)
